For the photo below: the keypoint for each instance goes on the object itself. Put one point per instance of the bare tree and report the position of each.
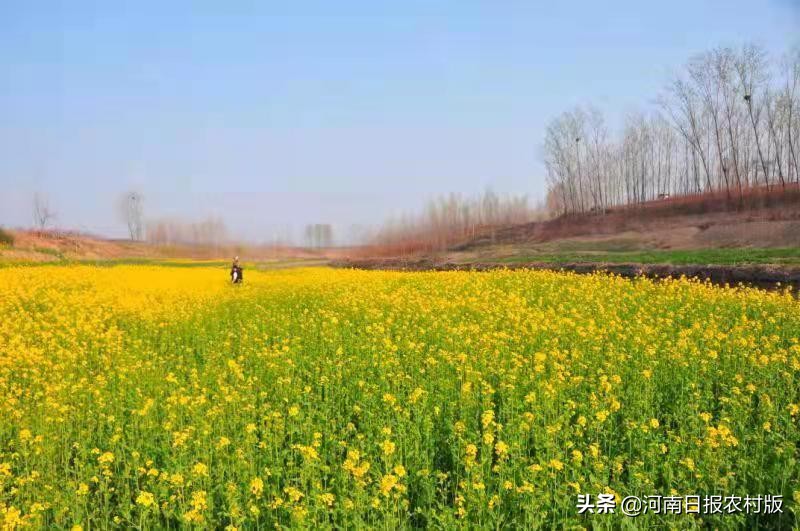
(751, 66)
(791, 108)
(131, 209)
(683, 108)
(451, 219)
(704, 71)
(727, 124)
(43, 215)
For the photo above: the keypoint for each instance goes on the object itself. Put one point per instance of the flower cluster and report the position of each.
(155, 397)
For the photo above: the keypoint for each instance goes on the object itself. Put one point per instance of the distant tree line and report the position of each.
(729, 120)
(318, 235)
(208, 232)
(451, 219)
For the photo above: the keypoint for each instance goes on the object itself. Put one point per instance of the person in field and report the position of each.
(236, 271)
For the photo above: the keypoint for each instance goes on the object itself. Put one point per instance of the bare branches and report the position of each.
(210, 231)
(131, 210)
(318, 235)
(451, 219)
(725, 123)
(43, 214)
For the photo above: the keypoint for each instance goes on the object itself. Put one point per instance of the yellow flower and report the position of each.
(388, 482)
(299, 513)
(293, 494)
(145, 499)
(388, 447)
(199, 469)
(501, 450)
(107, 366)
(594, 450)
(471, 452)
(326, 499)
(12, 517)
(416, 395)
(487, 418)
(494, 501)
(257, 486)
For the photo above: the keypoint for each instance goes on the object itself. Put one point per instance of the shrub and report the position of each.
(6, 238)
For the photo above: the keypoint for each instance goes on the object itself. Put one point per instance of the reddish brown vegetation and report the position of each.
(701, 210)
(53, 244)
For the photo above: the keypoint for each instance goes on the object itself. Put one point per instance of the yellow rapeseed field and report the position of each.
(164, 397)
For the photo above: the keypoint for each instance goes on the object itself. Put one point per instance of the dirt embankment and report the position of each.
(49, 246)
(756, 275)
(759, 219)
(765, 228)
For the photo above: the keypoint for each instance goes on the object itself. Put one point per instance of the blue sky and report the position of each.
(273, 115)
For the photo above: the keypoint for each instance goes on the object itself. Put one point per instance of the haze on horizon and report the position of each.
(273, 117)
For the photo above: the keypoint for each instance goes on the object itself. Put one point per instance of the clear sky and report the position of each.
(276, 114)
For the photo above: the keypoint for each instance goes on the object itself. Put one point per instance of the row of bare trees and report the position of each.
(450, 219)
(318, 235)
(208, 232)
(729, 120)
(130, 207)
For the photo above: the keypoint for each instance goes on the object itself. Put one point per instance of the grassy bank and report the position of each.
(733, 257)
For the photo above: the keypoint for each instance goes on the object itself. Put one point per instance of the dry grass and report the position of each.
(36, 246)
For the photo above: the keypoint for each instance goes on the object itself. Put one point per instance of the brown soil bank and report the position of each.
(760, 218)
(759, 276)
(54, 245)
